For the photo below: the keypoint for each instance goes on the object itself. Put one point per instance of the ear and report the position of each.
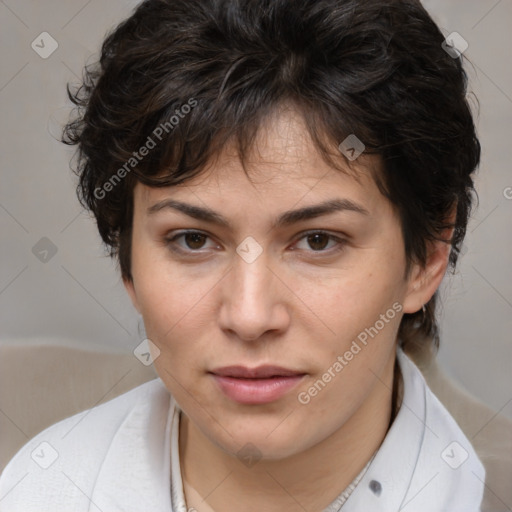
(423, 282)
(130, 288)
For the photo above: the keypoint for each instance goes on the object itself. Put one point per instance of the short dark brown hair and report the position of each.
(202, 73)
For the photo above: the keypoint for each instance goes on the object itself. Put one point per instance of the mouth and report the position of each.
(259, 385)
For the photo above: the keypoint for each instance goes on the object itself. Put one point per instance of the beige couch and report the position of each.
(40, 385)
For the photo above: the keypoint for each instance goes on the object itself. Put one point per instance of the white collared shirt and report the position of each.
(114, 458)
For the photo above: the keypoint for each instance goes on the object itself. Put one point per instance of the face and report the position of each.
(259, 287)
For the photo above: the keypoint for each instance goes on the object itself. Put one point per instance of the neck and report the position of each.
(309, 480)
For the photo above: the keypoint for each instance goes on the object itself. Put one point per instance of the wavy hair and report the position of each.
(374, 68)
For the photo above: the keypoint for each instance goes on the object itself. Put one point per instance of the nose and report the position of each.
(253, 300)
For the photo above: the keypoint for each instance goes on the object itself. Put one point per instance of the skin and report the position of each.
(299, 305)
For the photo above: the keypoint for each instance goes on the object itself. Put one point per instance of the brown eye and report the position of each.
(318, 241)
(188, 242)
(194, 240)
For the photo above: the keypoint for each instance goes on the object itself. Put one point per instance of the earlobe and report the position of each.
(130, 288)
(425, 281)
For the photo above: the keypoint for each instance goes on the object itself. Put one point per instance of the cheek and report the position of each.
(168, 294)
(172, 311)
(363, 314)
(356, 299)
(177, 312)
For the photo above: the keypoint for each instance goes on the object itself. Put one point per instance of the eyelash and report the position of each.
(170, 242)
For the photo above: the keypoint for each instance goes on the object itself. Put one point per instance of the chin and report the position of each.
(267, 440)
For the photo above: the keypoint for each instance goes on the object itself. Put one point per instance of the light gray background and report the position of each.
(77, 298)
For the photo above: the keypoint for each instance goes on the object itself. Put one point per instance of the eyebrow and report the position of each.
(285, 219)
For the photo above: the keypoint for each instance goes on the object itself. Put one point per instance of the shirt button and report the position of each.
(375, 487)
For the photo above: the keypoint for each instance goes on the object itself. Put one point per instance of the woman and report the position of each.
(284, 185)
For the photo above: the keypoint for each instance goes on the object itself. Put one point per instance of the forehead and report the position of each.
(283, 165)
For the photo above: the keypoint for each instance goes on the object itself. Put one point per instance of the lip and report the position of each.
(260, 372)
(259, 385)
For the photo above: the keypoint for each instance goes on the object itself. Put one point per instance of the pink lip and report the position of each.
(256, 386)
(260, 372)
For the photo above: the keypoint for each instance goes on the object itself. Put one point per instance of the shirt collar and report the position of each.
(137, 460)
(425, 462)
